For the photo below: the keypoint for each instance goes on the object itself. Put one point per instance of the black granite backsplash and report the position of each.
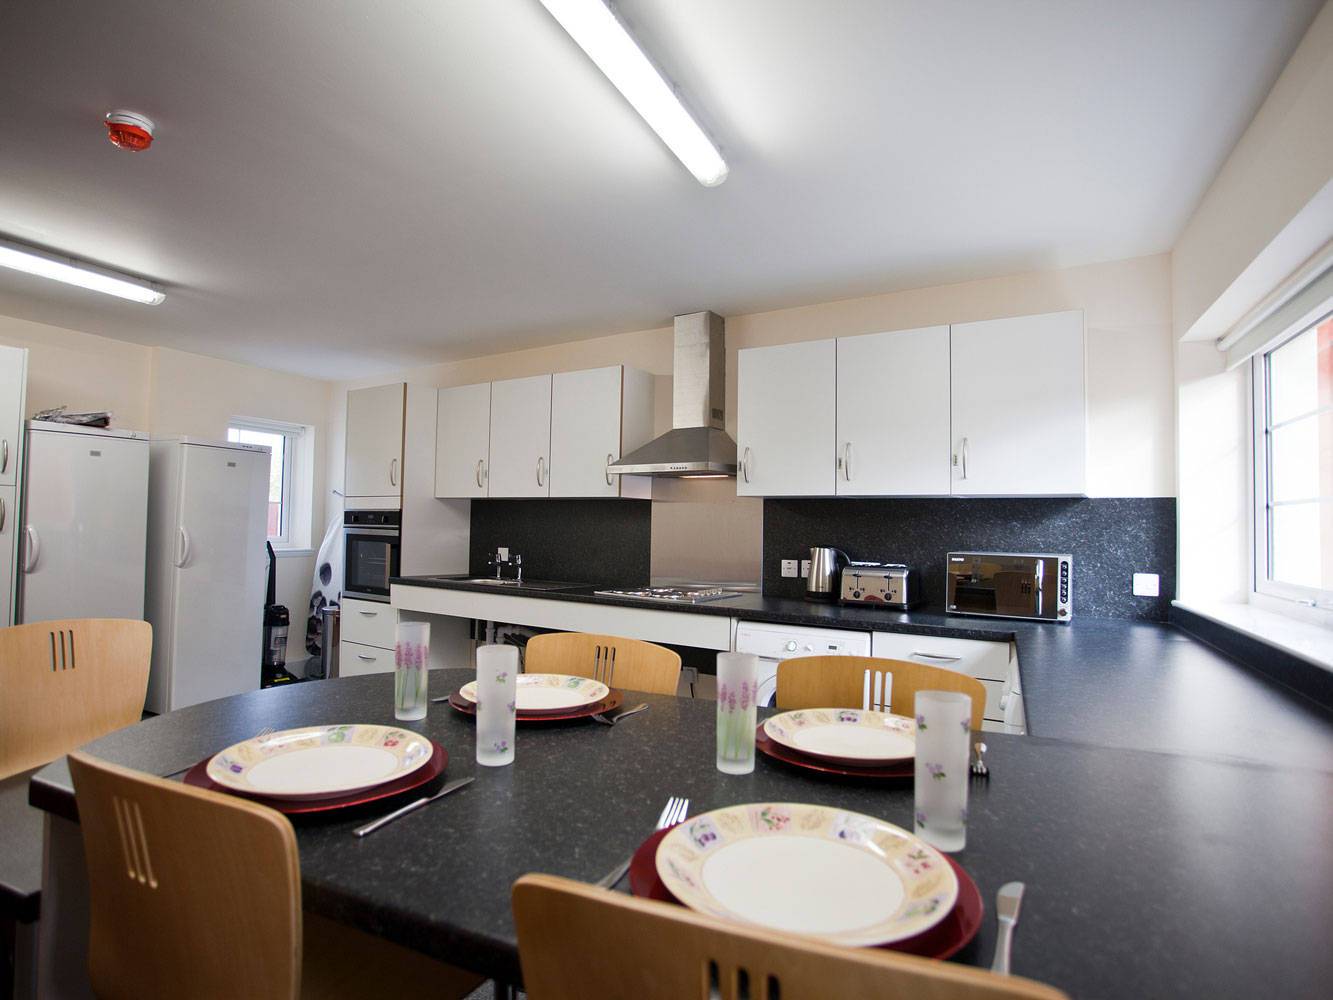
(603, 542)
(1110, 540)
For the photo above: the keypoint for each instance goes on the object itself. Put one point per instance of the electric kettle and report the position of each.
(824, 581)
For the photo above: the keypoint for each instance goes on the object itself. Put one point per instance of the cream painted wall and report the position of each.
(170, 392)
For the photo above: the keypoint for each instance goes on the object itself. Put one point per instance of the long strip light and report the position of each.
(600, 34)
(75, 272)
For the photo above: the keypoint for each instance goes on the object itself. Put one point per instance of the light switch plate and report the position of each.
(805, 568)
(789, 567)
(1146, 585)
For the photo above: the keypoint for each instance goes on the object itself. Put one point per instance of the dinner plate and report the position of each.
(317, 762)
(845, 735)
(540, 694)
(432, 769)
(765, 744)
(612, 700)
(846, 877)
(941, 941)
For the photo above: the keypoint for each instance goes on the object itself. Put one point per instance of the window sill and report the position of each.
(292, 553)
(1306, 640)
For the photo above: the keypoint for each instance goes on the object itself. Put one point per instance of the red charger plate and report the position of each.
(433, 768)
(611, 701)
(780, 751)
(940, 941)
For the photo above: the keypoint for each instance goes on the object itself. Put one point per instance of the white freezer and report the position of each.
(208, 520)
(85, 502)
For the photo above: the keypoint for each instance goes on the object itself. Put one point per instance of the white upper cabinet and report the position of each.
(893, 413)
(374, 473)
(13, 385)
(520, 452)
(597, 415)
(462, 440)
(1019, 406)
(785, 429)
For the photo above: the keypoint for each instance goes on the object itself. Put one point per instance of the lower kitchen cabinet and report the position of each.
(367, 637)
(992, 663)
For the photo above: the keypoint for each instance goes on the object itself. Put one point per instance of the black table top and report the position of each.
(1148, 873)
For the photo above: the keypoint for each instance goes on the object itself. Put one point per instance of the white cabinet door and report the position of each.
(462, 440)
(1018, 402)
(13, 382)
(375, 441)
(520, 457)
(893, 413)
(785, 419)
(585, 432)
(9, 519)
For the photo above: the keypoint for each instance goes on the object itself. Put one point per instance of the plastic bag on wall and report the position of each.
(328, 583)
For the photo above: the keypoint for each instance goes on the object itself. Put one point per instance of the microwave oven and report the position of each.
(1010, 585)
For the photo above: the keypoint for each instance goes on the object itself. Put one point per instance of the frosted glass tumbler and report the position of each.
(497, 703)
(411, 669)
(943, 725)
(737, 685)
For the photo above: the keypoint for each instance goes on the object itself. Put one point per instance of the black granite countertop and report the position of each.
(1148, 873)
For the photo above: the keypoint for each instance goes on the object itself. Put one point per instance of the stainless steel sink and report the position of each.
(509, 583)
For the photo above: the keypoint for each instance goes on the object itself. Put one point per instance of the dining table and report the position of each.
(1147, 874)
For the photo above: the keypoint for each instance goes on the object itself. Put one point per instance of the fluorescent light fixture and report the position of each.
(601, 35)
(75, 272)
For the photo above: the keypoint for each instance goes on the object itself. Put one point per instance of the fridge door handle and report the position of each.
(184, 549)
(32, 550)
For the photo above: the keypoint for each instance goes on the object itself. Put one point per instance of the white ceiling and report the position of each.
(340, 188)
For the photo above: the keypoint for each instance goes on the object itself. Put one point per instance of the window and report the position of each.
(1293, 391)
(283, 487)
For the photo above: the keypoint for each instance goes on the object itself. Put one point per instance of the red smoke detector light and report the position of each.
(129, 130)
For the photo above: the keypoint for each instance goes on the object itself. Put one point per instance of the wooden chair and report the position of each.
(628, 664)
(195, 893)
(647, 950)
(63, 683)
(840, 682)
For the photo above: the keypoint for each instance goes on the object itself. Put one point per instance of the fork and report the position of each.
(266, 731)
(611, 720)
(673, 812)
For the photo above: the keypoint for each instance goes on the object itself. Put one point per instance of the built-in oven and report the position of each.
(371, 549)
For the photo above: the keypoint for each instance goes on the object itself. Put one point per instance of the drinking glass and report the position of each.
(943, 725)
(737, 684)
(411, 668)
(497, 703)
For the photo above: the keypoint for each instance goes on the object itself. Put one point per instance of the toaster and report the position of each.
(891, 585)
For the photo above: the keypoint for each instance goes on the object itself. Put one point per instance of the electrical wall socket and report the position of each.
(789, 567)
(690, 675)
(805, 568)
(1146, 585)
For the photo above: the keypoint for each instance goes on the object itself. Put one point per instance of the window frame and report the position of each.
(292, 435)
(1262, 582)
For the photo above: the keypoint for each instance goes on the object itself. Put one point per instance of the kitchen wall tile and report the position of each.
(604, 542)
(1109, 538)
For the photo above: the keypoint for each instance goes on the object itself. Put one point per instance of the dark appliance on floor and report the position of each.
(276, 622)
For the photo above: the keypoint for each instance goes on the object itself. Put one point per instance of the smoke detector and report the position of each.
(129, 130)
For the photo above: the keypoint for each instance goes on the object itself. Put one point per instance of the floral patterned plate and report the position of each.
(766, 745)
(612, 700)
(540, 693)
(847, 735)
(846, 877)
(316, 762)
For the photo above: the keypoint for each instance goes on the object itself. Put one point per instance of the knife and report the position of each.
(1006, 908)
(374, 825)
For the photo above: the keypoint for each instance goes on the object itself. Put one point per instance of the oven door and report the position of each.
(370, 559)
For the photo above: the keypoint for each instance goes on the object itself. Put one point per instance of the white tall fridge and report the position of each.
(207, 524)
(85, 503)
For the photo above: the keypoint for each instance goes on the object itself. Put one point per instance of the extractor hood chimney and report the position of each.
(696, 445)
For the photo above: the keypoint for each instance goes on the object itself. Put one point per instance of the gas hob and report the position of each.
(672, 595)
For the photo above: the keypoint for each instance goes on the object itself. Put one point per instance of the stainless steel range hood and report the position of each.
(697, 444)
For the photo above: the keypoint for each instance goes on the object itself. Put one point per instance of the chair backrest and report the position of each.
(841, 682)
(629, 664)
(186, 886)
(648, 950)
(63, 683)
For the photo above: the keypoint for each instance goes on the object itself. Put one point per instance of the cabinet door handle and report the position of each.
(745, 463)
(609, 459)
(363, 656)
(4, 454)
(184, 556)
(541, 466)
(937, 656)
(480, 463)
(393, 472)
(2, 514)
(34, 549)
(368, 614)
(847, 462)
